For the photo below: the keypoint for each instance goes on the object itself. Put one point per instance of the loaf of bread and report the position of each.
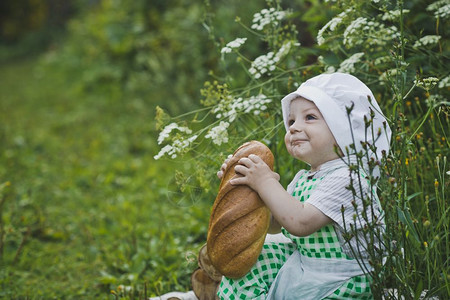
(239, 219)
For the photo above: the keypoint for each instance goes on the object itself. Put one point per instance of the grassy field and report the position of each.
(84, 207)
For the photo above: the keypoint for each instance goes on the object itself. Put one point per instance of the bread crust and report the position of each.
(239, 219)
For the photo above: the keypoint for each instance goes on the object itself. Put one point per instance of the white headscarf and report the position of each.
(334, 95)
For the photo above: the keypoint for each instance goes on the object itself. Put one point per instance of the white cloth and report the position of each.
(311, 273)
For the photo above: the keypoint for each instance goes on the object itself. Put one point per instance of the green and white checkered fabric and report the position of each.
(322, 244)
(257, 282)
(356, 288)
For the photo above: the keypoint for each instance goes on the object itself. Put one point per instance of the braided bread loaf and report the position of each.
(239, 219)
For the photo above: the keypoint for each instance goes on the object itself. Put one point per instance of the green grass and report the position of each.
(85, 206)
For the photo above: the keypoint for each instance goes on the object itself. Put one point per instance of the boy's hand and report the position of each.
(224, 166)
(254, 172)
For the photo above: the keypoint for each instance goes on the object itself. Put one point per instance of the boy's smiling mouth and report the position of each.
(298, 141)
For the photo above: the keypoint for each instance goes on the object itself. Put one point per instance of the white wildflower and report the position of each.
(327, 69)
(371, 33)
(427, 40)
(348, 65)
(219, 134)
(441, 9)
(262, 64)
(233, 45)
(321, 60)
(393, 15)
(267, 63)
(255, 104)
(178, 146)
(426, 83)
(443, 12)
(353, 29)
(445, 82)
(267, 16)
(164, 134)
(164, 150)
(285, 48)
(331, 26)
(230, 108)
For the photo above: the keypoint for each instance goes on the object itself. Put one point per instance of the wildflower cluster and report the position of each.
(427, 83)
(165, 133)
(266, 17)
(219, 134)
(267, 63)
(233, 45)
(427, 40)
(231, 108)
(445, 82)
(180, 141)
(362, 30)
(441, 9)
(179, 146)
(331, 25)
(348, 65)
(374, 33)
(264, 64)
(393, 15)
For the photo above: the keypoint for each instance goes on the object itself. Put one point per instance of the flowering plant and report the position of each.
(398, 49)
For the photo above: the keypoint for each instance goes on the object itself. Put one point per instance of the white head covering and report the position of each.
(334, 95)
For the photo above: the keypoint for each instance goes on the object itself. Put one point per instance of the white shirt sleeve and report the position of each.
(334, 197)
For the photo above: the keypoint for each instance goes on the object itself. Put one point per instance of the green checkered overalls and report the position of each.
(322, 244)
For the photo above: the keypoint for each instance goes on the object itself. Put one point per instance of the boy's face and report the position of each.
(309, 139)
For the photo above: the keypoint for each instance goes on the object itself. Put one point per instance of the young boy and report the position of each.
(328, 120)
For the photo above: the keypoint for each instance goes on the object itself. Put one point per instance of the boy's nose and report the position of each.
(295, 127)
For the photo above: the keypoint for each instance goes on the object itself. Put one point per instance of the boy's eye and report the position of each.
(291, 122)
(310, 117)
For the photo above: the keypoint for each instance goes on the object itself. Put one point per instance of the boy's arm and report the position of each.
(298, 218)
(274, 226)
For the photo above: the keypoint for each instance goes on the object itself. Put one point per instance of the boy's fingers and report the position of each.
(245, 161)
(255, 158)
(240, 169)
(238, 181)
(228, 158)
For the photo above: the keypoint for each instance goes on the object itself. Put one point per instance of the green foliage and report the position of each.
(156, 50)
(84, 208)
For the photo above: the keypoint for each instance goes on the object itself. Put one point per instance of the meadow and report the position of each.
(100, 200)
(84, 207)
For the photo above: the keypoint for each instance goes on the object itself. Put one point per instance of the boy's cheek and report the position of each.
(287, 142)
